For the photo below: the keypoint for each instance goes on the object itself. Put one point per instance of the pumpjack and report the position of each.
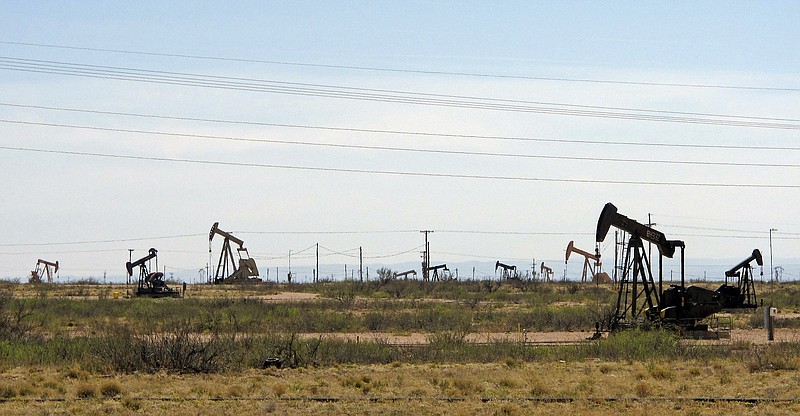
(547, 272)
(43, 266)
(151, 284)
(435, 276)
(228, 269)
(509, 272)
(405, 274)
(639, 300)
(742, 294)
(590, 268)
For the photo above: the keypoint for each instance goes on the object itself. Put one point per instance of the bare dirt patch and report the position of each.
(289, 297)
(487, 337)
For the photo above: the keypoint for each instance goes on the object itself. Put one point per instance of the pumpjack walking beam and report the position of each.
(405, 274)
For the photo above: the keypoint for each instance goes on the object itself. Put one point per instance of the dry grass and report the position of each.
(506, 387)
(412, 388)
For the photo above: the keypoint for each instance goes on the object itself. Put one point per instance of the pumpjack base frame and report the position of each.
(152, 293)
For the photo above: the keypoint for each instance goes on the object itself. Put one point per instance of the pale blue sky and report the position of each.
(50, 198)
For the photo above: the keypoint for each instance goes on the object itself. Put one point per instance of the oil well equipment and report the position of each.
(509, 271)
(547, 272)
(151, 284)
(43, 267)
(591, 264)
(405, 274)
(642, 302)
(436, 276)
(239, 268)
(741, 293)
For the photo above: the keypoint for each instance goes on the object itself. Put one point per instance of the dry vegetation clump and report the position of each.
(643, 389)
(660, 371)
(131, 403)
(86, 391)
(110, 388)
(279, 389)
(7, 391)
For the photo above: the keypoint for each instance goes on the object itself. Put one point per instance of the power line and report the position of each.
(345, 253)
(406, 132)
(101, 241)
(766, 224)
(482, 256)
(329, 232)
(383, 256)
(408, 71)
(406, 149)
(508, 232)
(389, 96)
(763, 232)
(57, 252)
(743, 237)
(403, 173)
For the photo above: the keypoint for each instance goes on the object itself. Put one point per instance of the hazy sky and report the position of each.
(504, 127)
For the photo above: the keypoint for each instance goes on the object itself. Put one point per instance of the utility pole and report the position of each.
(289, 274)
(360, 265)
(426, 257)
(130, 260)
(771, 269)
(316, 276)
(650, 224)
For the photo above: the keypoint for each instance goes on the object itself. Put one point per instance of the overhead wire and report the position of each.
(100, 241)
(384, 256)
(508, 232)
(341, 253)
(389, 96)
(407, 149)
(328, 232)
(407, 132)
(405, 70)
(481, 256)
(404, 173)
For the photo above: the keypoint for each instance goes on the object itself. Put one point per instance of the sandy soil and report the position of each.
(420, 338)
(289, 296)
(755, 336)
